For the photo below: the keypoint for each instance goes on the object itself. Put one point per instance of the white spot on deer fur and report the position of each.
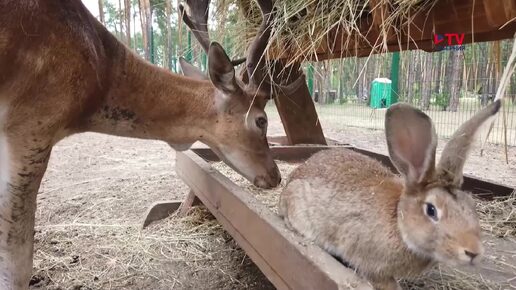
(4, 158)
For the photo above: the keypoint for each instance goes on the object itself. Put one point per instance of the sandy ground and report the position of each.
(95, 194)
(91, 205)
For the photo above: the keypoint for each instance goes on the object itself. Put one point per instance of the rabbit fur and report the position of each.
(388, 226)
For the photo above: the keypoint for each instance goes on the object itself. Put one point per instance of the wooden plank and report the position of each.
(495, 13)
(427, 44)
(510, 9)
(280, 254)
(478, 23)
(284, 153)
(479, 187)
(483, 188)
(190, 200)
(283, 141)
(160, 210)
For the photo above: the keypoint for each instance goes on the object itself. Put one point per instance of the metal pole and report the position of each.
(310, 76)
(395, 70)
(189, 48)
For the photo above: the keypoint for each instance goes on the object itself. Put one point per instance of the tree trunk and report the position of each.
(411, 68)
(121, 20)
(127, 11)
(426, 93)
(437, 72)
(101, 12)
(135, 40)
(146, 22)
(362, 80)
(455, 79)
(168, 51)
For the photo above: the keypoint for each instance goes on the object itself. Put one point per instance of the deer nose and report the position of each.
(470, 254)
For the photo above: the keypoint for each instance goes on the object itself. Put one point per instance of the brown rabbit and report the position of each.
(386, 226)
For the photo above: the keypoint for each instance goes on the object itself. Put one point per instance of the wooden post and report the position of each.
(296, 108)
(190, 200)
(163, 209)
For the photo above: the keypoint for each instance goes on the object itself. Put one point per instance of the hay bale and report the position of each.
(302, 26)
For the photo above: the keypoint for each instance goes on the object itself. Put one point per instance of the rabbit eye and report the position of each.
(431, 211)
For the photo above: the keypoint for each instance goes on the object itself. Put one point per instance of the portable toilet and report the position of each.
(381, 95)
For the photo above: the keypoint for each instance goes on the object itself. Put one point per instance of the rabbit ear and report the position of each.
(456, 150)
(412, 140)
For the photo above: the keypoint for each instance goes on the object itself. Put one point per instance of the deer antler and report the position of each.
(196, 18)
(255, 59)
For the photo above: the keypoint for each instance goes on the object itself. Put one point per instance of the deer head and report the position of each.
(239, 136)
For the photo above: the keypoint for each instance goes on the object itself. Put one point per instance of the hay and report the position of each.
(497, 217)
(269, 198)
(442, 277)
(177, 251)
(301, 27)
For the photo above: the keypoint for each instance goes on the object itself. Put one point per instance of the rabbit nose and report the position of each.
(470, 254)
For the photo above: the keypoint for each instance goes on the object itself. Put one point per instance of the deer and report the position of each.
(62, 73)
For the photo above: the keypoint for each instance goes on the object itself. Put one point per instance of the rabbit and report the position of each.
(387, 226)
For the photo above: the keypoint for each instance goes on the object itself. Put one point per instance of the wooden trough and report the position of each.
(286, 260)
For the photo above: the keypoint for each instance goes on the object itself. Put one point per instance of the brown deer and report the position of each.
(62, 72)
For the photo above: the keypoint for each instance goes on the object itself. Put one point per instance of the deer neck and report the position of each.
(145, 101)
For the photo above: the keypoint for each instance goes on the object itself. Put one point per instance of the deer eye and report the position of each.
(261, 122)
(431, 211)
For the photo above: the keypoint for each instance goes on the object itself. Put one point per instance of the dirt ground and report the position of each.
(91, 204)
(95, 194)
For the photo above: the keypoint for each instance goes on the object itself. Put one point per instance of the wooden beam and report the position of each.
(481, 188)
(187, 204)
(160, 210)
(163, 209)
(480, 22)
(287, 261)
(297, 112)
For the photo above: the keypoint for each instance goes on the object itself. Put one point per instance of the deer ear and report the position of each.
(412, 141)
(191, 71)
(221, 70)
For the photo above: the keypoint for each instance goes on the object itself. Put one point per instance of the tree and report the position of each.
(101, 11)
(411, 72)
(121, 20)
(168, 52)
(437, 73)
(146, 22)
(455, 82)
(127, 10)
(426, 93)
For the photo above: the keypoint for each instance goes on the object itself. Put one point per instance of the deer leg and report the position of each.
(22, 165)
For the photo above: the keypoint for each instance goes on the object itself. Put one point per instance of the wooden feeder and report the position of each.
(286, 260)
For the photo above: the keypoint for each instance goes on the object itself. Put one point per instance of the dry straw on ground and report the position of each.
(193, 249)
